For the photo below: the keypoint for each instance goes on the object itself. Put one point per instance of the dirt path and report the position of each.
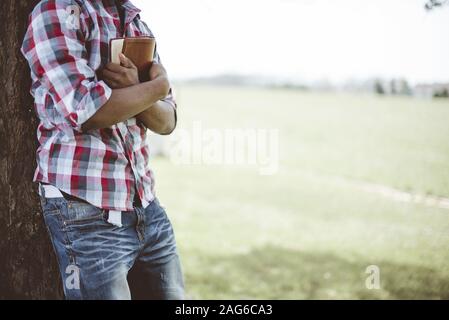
(402, 196)
(386, 191)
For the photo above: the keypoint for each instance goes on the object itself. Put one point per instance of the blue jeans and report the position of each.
(102, 261)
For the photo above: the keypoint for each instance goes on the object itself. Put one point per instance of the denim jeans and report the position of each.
(102, 261)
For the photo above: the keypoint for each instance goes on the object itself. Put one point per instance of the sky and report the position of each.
(305, 40)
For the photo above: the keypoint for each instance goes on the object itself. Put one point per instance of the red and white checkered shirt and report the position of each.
(66, 43)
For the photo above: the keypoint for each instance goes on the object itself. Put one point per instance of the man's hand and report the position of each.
(158, 71)
(126, 75)
(120, 76)
(159, 74)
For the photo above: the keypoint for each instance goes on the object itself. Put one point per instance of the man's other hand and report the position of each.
(158, 71)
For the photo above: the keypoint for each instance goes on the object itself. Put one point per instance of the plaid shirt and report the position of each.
(67, 41)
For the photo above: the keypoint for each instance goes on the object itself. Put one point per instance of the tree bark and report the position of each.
(28, 264)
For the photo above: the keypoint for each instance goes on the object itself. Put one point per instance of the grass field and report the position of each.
(311, 230)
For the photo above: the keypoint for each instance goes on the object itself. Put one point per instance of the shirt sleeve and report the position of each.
(54, 46)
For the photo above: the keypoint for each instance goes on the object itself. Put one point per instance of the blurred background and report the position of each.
(311, 159)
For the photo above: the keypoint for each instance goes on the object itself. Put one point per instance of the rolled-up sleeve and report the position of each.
(54, 46)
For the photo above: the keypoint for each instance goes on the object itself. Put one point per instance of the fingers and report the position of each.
(119, 77)
(157, 70)
(115, 68)
(110, 75)
(160, 68)
(125, 62)
(112, 79)
(112, 84)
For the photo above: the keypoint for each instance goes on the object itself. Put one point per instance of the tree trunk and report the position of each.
(28, 265)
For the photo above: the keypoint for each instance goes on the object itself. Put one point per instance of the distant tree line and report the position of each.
(444, 93)
(400, 87)
(393, 87)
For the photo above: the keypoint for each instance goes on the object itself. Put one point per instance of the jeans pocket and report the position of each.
(51, 206)
(79, 213)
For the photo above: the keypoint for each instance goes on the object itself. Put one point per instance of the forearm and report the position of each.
(127, 103)
(159, 118)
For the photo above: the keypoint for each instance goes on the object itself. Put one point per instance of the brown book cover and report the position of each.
(140, 50)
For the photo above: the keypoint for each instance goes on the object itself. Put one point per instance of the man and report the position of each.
(112, 238)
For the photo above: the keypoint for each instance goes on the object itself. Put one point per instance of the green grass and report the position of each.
(302, 234)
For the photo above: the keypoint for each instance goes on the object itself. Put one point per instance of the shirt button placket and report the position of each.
(128, 149)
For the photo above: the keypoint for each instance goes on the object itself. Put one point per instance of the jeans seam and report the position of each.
(68, 242)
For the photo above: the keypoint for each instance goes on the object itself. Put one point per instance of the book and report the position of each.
(140, 50)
